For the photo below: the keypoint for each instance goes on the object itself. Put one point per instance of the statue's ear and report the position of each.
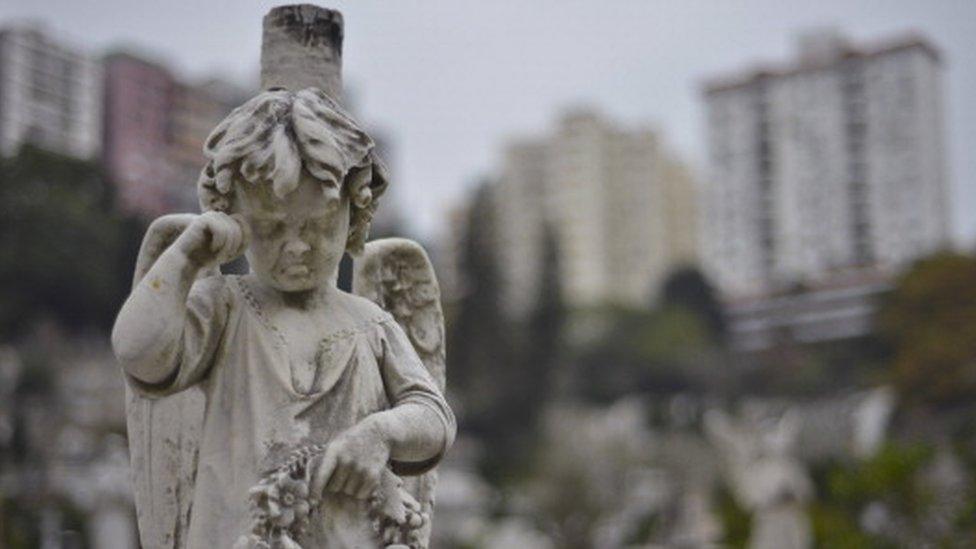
(365, 185)
(380, 179)
(358, 184)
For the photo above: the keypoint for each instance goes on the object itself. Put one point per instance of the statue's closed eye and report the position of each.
(321, 225)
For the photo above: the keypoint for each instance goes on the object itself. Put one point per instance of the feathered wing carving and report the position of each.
(164, 433)
(397, 275)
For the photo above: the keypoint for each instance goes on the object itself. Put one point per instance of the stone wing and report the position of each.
(396, 274)
(164, 433)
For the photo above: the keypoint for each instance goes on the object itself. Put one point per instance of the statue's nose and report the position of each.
(297, 246)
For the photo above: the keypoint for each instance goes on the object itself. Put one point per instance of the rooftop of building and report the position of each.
(820, 49)
(36, 34)
(844, 282)
(135, 55)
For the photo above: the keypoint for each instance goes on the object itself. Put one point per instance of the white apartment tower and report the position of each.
(50, 95)
(621, 210)
(831, 164)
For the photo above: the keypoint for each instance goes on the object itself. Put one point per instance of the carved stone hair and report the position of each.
(269, 139)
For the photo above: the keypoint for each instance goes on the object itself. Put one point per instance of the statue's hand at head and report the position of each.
(213, 238)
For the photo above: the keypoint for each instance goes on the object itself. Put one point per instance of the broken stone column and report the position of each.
(302, 48)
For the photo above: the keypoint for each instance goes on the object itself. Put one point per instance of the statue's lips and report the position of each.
(296, 270)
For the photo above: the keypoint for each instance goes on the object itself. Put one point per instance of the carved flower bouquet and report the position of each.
(281, 508)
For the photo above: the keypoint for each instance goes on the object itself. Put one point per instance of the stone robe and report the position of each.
(261, 404)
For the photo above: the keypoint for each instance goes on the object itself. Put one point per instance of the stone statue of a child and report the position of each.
(285, 359)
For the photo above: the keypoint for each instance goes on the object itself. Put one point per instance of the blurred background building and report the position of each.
(50, 94)
(830, 163)
(826, 179)
(131, 112)
(620, 206)
(155, 126)
(138, 97)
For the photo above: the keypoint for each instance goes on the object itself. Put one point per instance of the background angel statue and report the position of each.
(271, 408)
(765, 476)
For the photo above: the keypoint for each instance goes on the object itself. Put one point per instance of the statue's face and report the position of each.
(296, 241)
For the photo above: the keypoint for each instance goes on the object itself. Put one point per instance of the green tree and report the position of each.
(64, 252)
(687, 287)
(929, 322)
(663, 351)
(541, 348)
(898, 480)
(531, 379)
(480, 344)
(502, 368)
(675, 346)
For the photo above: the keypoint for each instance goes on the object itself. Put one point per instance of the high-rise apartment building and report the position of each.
(139, 97)
(50, 94)
(197, 109)
(621, 211)
(830, 164)
(155, 126)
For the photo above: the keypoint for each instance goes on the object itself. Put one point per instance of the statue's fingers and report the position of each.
(368, 487)
(339, 477)
(217, 236)
(233, 229)
(233, 243)
(245, 230)
(323, 473)
(353, 484)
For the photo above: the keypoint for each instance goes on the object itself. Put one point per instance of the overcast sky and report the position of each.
(450, 81)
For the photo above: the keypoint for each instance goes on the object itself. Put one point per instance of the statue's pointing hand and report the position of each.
(214, 238)
(353, 463)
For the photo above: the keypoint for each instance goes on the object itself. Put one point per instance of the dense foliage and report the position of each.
(929, 320)
(502, 369)
(65, 254)
(687, 288)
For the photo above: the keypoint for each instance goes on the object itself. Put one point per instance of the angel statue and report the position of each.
(765, 476)
(272, 409)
